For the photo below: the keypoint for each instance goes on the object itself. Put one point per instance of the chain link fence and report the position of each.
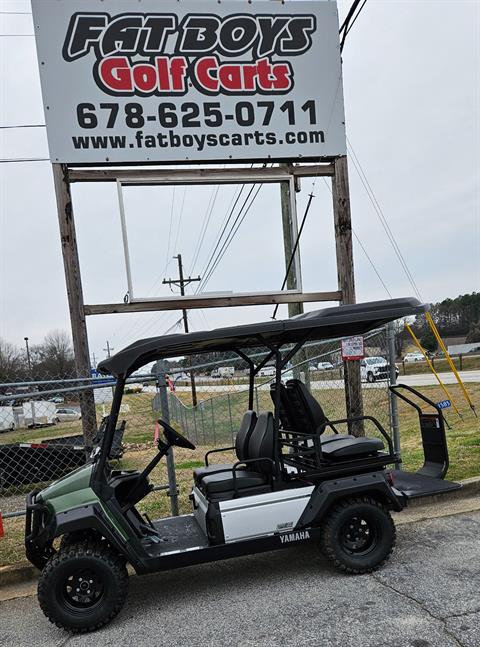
(42, 432)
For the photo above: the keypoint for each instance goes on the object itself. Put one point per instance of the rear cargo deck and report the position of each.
(415, 485)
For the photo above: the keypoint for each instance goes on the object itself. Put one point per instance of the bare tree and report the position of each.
(12, 365)
(54, 358)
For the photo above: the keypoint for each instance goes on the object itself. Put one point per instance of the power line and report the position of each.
(206, 222)
(349, 21)
(224, 227)
(15, 13)
(382, 218)
(232, 234)
(362, 247)
(295, 247)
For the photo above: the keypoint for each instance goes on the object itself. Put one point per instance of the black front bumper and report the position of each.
(38, 532)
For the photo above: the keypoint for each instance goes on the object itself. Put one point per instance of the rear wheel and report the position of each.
(358, 535)
(83, 587)
(370, 377)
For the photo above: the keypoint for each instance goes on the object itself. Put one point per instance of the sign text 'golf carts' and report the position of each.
(150, 81)
(353, 348)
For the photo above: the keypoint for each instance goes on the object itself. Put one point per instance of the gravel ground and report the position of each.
(427, 596)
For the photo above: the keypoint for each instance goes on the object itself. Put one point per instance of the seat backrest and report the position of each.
(262, 443)
(286, 412)
(308, 416)
(244, 433)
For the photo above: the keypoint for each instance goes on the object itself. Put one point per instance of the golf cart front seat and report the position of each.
(242, 440)
(311, 419)
(256, 476)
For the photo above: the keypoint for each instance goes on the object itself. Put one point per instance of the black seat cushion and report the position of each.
(300, 411)
(242, 440)
(309, 413)
(351, 447)
(223, 482)
(261, 445)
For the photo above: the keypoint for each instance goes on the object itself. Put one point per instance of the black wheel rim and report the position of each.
(358, 536)
(82, 589)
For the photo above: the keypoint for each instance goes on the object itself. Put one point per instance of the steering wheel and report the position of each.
(174, 438)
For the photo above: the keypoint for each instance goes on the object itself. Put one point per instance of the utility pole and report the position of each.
(29, 361)
(73, 280)
(108, 350)
(181, 282)
(294, 277)
(346, 284)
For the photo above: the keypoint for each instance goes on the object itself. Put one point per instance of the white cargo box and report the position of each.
(39, 412)
(7, 419)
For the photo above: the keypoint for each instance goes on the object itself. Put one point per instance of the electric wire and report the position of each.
(233, 234)
(363, 248)
(204, 227)
(382, 218)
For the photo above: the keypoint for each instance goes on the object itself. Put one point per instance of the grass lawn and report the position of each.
(463, 441)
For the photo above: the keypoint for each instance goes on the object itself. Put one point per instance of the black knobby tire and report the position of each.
(358, 535)
(83, 587)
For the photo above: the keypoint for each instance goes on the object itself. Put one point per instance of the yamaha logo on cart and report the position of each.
(295, 536)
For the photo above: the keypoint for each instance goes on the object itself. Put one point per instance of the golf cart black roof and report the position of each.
(329, 323)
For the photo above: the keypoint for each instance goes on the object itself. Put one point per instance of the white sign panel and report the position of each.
(175, 81)
(353, 348)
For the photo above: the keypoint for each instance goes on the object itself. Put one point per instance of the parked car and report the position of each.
(414, 357)
(226, 371)
(215, 373)
(67, 415)
(57, 399)
(375, 368)
(325, 366)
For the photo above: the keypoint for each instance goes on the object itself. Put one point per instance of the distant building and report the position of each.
(463, 349)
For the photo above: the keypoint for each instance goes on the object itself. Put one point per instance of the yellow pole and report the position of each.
(431, 367)
(434, 328)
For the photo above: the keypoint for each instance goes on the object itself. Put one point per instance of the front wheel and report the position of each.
(370, 377)
(83, 586)
(358, 535)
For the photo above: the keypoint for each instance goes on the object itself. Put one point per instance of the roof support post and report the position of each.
(346, 284)
(73, 280)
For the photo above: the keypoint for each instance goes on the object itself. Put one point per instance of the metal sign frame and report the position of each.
(238, 176)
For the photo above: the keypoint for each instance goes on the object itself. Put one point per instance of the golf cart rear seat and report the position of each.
(307, 417)
(255, 475)
(241, 448)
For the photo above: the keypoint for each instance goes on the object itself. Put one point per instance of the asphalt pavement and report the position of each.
(428, 595)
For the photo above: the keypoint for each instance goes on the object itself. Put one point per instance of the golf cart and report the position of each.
(297, 478)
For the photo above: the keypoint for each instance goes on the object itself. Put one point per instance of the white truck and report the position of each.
(7, 419)
(226, 372)
(39, 412)
(375, 368)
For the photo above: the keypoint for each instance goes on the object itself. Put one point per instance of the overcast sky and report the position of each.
(412, 96)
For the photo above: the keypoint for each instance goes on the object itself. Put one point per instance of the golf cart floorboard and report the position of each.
(415, 485)
(174, 534)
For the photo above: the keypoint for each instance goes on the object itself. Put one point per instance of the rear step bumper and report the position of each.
(415, 485)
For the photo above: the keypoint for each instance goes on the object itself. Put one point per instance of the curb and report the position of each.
(17, 574)
(11, 575)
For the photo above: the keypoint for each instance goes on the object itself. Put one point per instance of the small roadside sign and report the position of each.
(444, 404)
(353, 349)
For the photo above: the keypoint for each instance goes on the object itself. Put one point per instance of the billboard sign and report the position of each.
(132, 82)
